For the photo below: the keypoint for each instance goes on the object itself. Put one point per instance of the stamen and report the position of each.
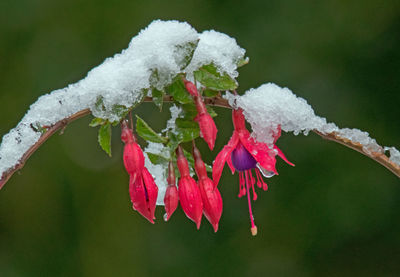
(260, 180)
(253, 228)
(253, 181)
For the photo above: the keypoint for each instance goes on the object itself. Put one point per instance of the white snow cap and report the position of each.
(269, 105)
(154, 57)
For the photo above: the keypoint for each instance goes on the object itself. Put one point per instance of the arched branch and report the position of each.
(379, 157)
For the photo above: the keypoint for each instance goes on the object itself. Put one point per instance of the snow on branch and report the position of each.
(153, 60)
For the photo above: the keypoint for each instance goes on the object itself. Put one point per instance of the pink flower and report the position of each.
(142, 188)
(189, 192)
(243, 153)
(208, 130)
(210, 195)
(171, 195)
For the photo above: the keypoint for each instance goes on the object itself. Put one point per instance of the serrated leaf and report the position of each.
(147, 133)
(97, 122)
(158, 97)
(157, 159)
(212, 79)
(210, 93)
(178, 91)
(104, 138)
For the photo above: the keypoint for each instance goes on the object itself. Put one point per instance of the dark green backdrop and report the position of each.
(335, 214)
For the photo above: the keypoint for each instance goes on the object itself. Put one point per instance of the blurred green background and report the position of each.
(336, 213)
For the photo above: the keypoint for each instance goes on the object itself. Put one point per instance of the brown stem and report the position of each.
(218, 101)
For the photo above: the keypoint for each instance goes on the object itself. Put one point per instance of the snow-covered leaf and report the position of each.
(212, 79)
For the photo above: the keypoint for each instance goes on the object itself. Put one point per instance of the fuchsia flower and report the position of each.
(208, 130)
(142, 188)
(210, 195)
(189, 192)
(171, 195)
(243, 153)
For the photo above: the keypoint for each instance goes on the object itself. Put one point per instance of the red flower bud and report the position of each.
(171, 195)
(191, 88)
(143, 192)
(208, 130)
(133, 154)
(189, 192)
(210, 195)
(133, 158)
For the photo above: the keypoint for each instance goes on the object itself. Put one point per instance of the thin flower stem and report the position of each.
(218, 101)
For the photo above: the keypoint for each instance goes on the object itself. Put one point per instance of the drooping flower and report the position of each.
(142, 188)
(188, 191)
(143, 191)
(171, 195)
(210, 195)
(208, 130)
(243, 153)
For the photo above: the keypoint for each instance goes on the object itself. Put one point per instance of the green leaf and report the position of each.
(105, 138)
(147, 133)
(243, 61)
(97, 122)
(178, 91)
(210, 93)
(187, 134)
(185, 53)
(99, 104)
(173, 142)
(212, 79)
(190, 111)
(158, 97)
(120, 111)
(157, 159)
(211, 112)
(38, 128)
(184, 123)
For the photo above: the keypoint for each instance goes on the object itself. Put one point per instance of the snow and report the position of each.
(154, 57)
(269, 105)
(219, 49)
(394, 154)
(158, 170)
(175, 112)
